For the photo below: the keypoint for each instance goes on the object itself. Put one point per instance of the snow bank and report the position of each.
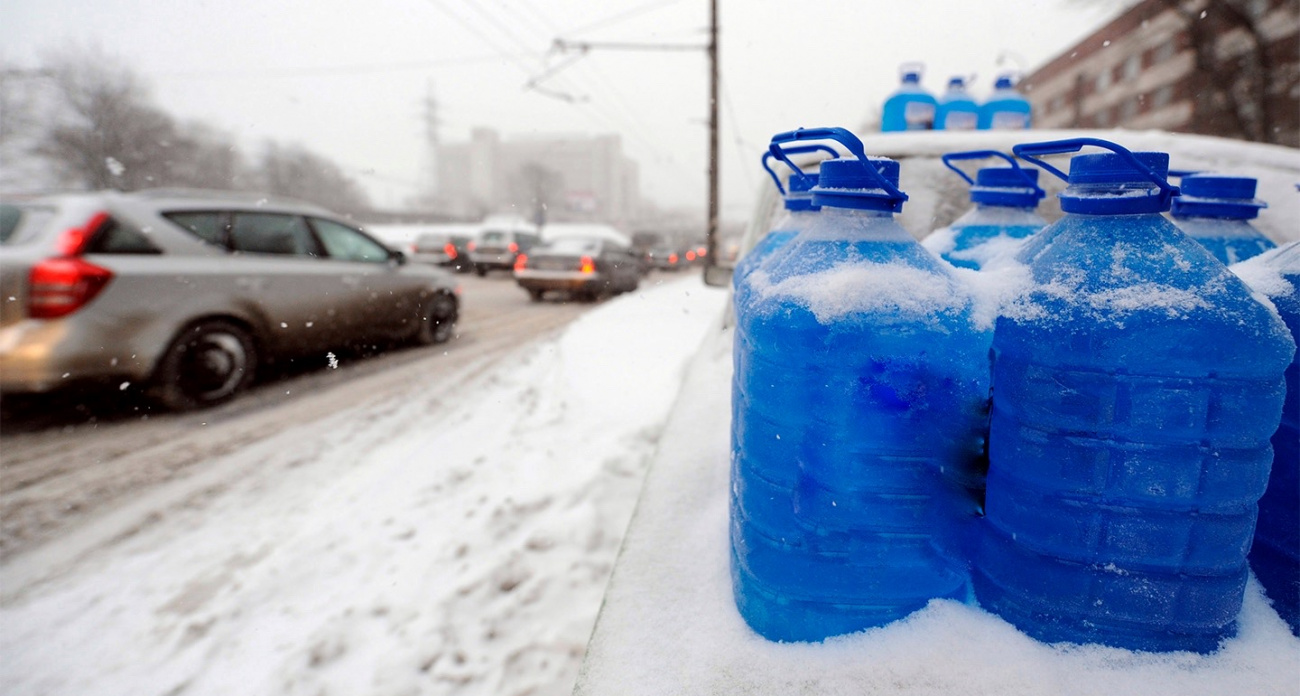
(457, 541)
(669, 625)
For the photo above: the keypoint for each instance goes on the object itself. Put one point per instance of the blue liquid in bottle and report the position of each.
(1006, 108)
(1135, 389)
(911, 106)
(1275, 556)
(1006, 201)
(1216, 211)
(858, 412)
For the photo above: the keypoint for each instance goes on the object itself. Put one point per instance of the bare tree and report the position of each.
(1232, 81)
(105, 132)
(299, 173)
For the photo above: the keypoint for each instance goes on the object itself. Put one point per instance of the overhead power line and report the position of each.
(622, 16)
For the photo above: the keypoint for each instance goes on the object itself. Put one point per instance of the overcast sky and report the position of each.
(349, 78)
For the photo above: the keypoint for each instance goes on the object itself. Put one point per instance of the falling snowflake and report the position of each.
(114, 167)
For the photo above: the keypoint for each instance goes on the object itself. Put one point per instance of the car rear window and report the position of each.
(494, 237)
(431, 241)
(115, 237)
(19, 224)
(574, 245)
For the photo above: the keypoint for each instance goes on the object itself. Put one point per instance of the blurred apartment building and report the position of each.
(1221, 67)
(563, 178)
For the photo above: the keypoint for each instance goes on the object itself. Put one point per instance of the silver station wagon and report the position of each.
(188, 292)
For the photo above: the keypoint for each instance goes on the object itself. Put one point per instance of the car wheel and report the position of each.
(437, 320)
(208, 364)
(535, 294)
(480, 271)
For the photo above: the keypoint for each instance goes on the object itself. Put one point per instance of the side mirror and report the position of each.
(717, 276)
(396, 257)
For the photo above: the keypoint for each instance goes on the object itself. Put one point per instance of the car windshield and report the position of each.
(341, 342)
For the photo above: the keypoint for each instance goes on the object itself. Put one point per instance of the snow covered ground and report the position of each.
(670, 626)
(458, 543)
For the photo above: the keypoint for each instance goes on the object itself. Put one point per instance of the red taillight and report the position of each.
(59, 287)
(514, 248)
(672, 258)
(471, 246)
(450, 250)
(690, 256)
(588, 266)
(704, 251)
(414, 248)
(521, 262)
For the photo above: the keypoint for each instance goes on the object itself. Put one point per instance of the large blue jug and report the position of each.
(798, 211)
(1136, 385)
(1006, 202)
(956, 110)
(1006, 109)
(1216, 211)
(1275, 557)
(859, 407)
(910, 107)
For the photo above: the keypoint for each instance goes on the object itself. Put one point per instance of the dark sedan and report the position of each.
(585, 268)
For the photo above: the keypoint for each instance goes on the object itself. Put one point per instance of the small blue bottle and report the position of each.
(956, 110)
(1136, 386)
(1216, 211)
(910, 107)
(1275, 556)
(1006, 109)
(799, 210)
(1006, 202)
(859, 406)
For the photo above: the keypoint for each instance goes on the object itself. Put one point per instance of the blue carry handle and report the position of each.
(1032, 151)
(949, 158)
(843, 137)
(801, 150)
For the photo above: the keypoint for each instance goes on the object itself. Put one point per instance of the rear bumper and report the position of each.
(572, 281)
(39, 356)
(492, 260)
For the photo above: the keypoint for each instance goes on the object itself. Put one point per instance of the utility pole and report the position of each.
(711, 49)
(711, 239)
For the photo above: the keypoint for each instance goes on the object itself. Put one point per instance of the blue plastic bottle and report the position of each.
(1006, 201)
(859, 406)
(910, 107)
(1006, 109)
(799, 211)
(1135, 389)
(1275, 556)
(956, 110)
(1216, 211)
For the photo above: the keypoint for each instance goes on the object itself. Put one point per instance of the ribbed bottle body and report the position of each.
(858, 409)
(1135, 389)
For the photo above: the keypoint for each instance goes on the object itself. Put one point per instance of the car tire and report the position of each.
(535, 294)
(207, 364)
(437, 320)
(480, 271)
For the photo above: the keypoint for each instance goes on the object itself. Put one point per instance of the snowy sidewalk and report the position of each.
(669, 624)
(455, 543)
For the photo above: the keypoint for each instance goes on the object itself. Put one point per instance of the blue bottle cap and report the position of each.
(1004, 186)
(911, 78)
(800, 195)
(957, 83)
(845, 183)
(1217, 196)
(1107, 184)
(1004, 82)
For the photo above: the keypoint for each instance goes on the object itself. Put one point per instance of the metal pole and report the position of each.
(712, 238)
